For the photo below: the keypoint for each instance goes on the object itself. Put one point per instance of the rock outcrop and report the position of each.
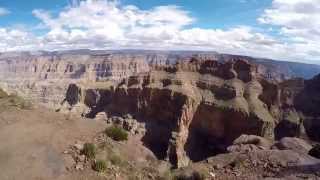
(192, 108)
(189, 108)
(307, 102)
(294, 144)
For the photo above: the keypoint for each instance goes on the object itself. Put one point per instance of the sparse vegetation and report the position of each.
(13, 100)
(115, 159)
(19, 102)
(89, 150)
(100, 166)
(116, 133)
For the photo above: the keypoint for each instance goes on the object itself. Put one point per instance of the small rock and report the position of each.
(217, 166)
(101, 116)
(78, 145)
(79, 167)
(127, 116)
(213, 175)
(150, 176)
(81, 158)
(69, 162)
(118, 120)
(66, 152)
(109, 121)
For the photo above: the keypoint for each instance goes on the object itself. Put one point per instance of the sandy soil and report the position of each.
(32, 142)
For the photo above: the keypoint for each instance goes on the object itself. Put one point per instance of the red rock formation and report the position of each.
(192, 104)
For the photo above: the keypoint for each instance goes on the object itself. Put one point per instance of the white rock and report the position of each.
(78, 145)
(79, 167)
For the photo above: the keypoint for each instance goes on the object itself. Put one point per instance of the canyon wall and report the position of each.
(189, 108)
(45, 79)
(193, 106)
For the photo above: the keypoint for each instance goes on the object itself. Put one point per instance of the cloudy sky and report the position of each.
(278, 29)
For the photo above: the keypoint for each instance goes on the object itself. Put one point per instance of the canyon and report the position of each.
(194, 105)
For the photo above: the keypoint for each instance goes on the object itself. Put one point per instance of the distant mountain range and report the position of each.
(271, 68)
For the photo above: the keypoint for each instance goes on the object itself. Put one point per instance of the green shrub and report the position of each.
(100, 166)
(116, 133)
(115, 159)
(89, 150)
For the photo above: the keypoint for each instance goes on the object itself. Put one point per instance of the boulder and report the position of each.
(294, 144)
(244, 148)
(128, 116)
(247, 143)
(315, 151)
(130, 125)
(253, 139)
(117, 120)
(73, 94)
(101, 116)
(78, 145)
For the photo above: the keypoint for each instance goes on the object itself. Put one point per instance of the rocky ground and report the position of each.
(40, 144)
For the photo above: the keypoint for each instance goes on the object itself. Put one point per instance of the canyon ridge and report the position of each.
(187, 109)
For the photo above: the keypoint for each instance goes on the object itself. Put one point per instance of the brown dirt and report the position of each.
(32, 145)
(32, 142)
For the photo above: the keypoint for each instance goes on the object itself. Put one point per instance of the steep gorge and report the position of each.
(192, 109)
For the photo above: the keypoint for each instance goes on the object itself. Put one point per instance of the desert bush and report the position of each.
(100, 166)
(19, 102)
(116, 133)
(115, 159)
(89, 150)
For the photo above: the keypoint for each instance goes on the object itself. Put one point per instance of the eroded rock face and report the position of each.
(294, 144)
(308, 102)
(191, 109)
(73, 95)
(300, 99)
(45, 79)
(190, 113)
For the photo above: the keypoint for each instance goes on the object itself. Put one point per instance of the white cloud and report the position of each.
(4, 11)
(13, 39)
(107, 24)
(299, 22)
(102, 24)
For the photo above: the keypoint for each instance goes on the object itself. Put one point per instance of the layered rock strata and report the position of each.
(190, 109)
(193, 108)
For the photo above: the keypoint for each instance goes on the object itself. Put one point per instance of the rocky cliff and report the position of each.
(192, 106)
(45, 79)
(191, 109)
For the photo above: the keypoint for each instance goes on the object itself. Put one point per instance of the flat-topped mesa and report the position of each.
(190, 109)
(239, 68)
(44, 79)
(84, 67)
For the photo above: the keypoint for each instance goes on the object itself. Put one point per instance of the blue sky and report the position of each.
(278, 29)
(208, 13)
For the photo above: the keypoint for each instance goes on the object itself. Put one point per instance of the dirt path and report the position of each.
(32, 142)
